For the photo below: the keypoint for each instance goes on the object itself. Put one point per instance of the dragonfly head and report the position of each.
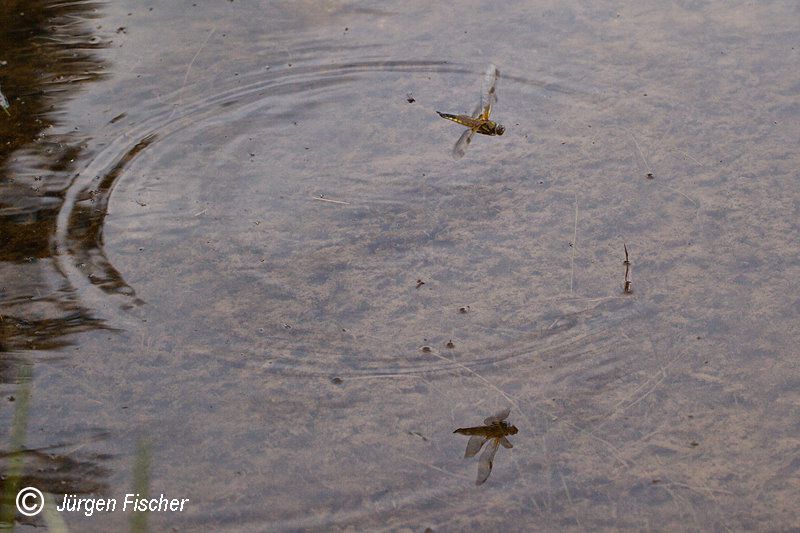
(513, 430)
(499, 129)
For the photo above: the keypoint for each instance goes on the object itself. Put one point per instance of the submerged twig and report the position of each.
(628, 281)
(189, 69)
(321, 199)
(574, 244)
(641, 154)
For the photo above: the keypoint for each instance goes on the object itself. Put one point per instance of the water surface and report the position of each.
(214, 219)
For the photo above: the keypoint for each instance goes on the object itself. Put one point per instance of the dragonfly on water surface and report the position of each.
(495, 430)
(479, 121)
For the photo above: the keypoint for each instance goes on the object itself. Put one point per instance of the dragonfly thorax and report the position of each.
(491, 128)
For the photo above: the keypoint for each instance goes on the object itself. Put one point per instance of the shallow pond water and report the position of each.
(233, 235)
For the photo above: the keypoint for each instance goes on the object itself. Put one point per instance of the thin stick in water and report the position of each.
(628, 281)
(574, 245)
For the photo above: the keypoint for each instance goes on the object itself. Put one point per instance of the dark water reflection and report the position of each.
(217, 244)
(48, 55)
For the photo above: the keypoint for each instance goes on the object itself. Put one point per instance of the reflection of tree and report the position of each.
(47, 49)
(41, 334)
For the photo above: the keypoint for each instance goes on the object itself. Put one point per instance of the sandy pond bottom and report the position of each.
(213, 255)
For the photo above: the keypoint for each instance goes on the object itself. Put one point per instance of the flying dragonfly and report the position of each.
(479, 121)
(495, 429)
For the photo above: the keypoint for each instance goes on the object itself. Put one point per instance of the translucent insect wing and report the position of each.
(489, 91)
(486, 460)
(462, 143)
(474, 445)
(497, 418)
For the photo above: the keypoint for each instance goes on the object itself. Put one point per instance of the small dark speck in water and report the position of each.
(650, 175)
(450, 344)
(426, 349)
(11, 398)
(463, 310)
(336, 381)
(656, 481)
(410, 98)
(122, 29)
(420, 283)
(694, 443)
(286, 326)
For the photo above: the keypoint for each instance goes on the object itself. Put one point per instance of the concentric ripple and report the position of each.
(296, 204)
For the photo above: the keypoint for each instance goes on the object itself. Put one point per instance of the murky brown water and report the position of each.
(171, 273)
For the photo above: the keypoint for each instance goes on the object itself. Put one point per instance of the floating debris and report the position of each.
(425, 349)
(463, 310)
(628, 281)
(322, 198)
(420, 283)
(418, 434)
(410, 98)
(450, 344)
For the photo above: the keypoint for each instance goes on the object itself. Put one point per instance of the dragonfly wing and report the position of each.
(497, 418)
(489, 91)
(474, 445)
(462, 143)
(478, 109)
(486, 460)
(506, 443)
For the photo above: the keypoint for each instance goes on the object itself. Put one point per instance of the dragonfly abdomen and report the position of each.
(464, 120)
